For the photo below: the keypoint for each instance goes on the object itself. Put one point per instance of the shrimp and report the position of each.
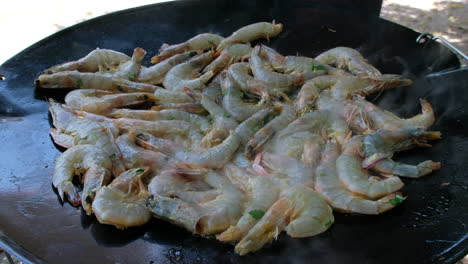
(222, 123)
(162, 145)
(61, 139)
(201, 42)
(265, 133)
(356, 179)
(354, 115)
(239, 73)
(365, 85)
(87, 80)
(122, 203)
(307, 67)
(164, 96)
(230, 55)
(235, 106)
(209, 216)
(100, 133)
(135, 156)
(251, 125)
(311, 90)
(103, 102)
(187, 74)
(332, 189)
(93, 62)
(251, 32)
(194, 108)
(82, 159)
(214, 157)
(292, 145)
(168, 114)
(350, 59)
(276, 82)
(387, 120)
(161, 127)
(300, 212)
(380, 146)
(156, 73)
(261, 194)
(323, 122)
(130, 69)
(213, 90)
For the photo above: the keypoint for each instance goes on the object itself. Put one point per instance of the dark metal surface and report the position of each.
(430, 227)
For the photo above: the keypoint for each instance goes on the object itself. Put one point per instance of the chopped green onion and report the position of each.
(211, 42)
(140, 170)
(132, 77)
(79, 83)
(328, 223)
(170, 118)
(112, 156)
(318, 68)
(397, 200)
(256, 128)
(227, 115)
(256, 214)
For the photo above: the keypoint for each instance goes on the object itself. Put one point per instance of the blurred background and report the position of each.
(24, 22)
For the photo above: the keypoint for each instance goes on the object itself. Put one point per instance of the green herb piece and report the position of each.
(132, 77)
(256, 128)
(187, 149)
(227, 115)
(256, 214)
(79, 83)
(318, 68)
(226, 92)
(170, 118)
(397, 200)
(112, 156)
(212, 43)
(328, 223)
(140, 170)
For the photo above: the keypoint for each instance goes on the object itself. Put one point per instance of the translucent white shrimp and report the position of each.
(251, 32)
(214, 157)
(354, 115)
(201, 42)
(162, 145)
(348, 58)
(239, 73)
(93, 62)
(337, 195)
(348, 86)
(311, 90)
(276, 82)
(122, 203)
(194, 108)
(300, 212)
(210, 216)
(223, 123)
(131, 69)
(235, 106)
(187, 74)
(156, 73)
(135, 156)
(385, 119)
(292, 144)
(320, 122)
(250, 126)
(228, 56)
(95, 166)
(100, 133)
(162, 128)
(255, 144)
(380, 146)
(164, 96)
(103, 102)
(261, 193)
(87, 80)
(356, 179)
(213, 90)
(168, 114)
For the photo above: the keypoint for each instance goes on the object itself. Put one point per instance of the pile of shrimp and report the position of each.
(231, 141)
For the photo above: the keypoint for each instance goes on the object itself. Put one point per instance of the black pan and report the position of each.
(430, 227)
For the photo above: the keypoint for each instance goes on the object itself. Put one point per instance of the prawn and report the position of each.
(380, 146)
(228, 56)
(311, 90)
(93, 62)
(103, 102)
(350, 59)
(156, 73)
(201, 42)
(129, 70)
(337, 195)
(87, 80)
(251, 32)
(286, 116)
(164, 96)
(300, 212)
(122, 203)
(187, 74)
(261, 193)
(356, 179)
(94, 164)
